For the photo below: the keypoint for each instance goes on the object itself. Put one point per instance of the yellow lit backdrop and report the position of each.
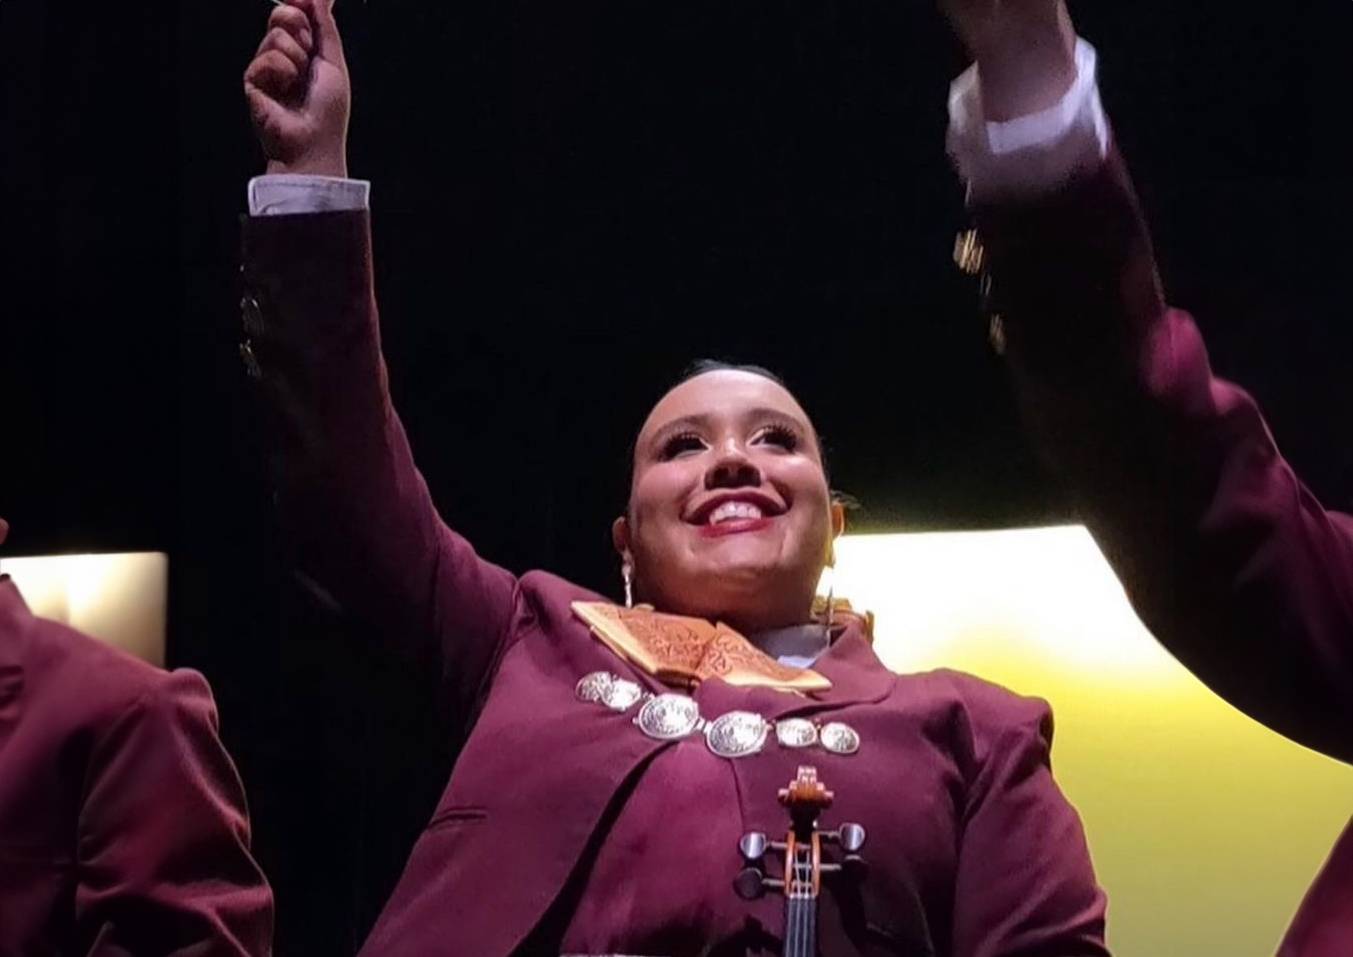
(1206, 828)
(117, 598)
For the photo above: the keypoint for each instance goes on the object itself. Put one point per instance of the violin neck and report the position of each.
(801, 927)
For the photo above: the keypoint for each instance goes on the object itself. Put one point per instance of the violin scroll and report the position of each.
(801, 850)
(806, 797)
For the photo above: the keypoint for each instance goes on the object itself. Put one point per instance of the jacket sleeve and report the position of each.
(1025, 885)
(353, 508)
(163, 856)
(1227, 557)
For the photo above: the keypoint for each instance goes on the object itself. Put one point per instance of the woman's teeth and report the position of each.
(734, 511)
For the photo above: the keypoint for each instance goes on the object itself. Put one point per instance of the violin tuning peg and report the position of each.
(851, 837)
(751, 883)
(855, 867)
(753, 846)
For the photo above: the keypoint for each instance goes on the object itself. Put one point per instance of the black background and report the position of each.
(571, 201)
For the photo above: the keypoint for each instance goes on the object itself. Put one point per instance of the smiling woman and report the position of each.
(624, 765)
(624, 762)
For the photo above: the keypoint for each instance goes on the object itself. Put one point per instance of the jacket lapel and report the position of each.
(857, 675)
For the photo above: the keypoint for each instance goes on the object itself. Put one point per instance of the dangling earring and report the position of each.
(627, 576)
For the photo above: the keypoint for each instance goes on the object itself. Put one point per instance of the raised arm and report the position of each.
(351, 502)
(1228, 558)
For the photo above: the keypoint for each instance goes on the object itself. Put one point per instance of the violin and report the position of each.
(802, 865)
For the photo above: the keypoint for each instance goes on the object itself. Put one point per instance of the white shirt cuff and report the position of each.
(1030, 154)
(290, 193)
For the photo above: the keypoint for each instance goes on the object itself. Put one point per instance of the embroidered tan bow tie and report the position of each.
(684, 651)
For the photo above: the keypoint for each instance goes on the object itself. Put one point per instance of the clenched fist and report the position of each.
(1024, 49)
(298, 91)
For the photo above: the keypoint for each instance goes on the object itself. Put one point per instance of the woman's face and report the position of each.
(730, 517)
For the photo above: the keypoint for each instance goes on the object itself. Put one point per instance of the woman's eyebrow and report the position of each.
(766, 412)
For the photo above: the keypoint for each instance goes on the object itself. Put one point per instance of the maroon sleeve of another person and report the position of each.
(163, 838)
(1226, 555)
(123, 827)
(1229, 559)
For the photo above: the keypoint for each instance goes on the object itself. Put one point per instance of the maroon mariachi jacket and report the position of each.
(973, 850)
(122, 821)
(1228, 558)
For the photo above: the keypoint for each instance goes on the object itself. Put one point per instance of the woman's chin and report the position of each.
(736, 591)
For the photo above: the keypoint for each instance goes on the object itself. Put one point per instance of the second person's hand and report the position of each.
(298, 91)
(1024, 50)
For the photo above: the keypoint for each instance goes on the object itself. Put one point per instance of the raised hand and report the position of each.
(298, 91)
(1024, 49)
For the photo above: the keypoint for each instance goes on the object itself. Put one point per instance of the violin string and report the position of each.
(798, 868)
(805, 890)
(798, 922)
(800, 925)
(804, 907)
(799, 914)
(807, 903)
